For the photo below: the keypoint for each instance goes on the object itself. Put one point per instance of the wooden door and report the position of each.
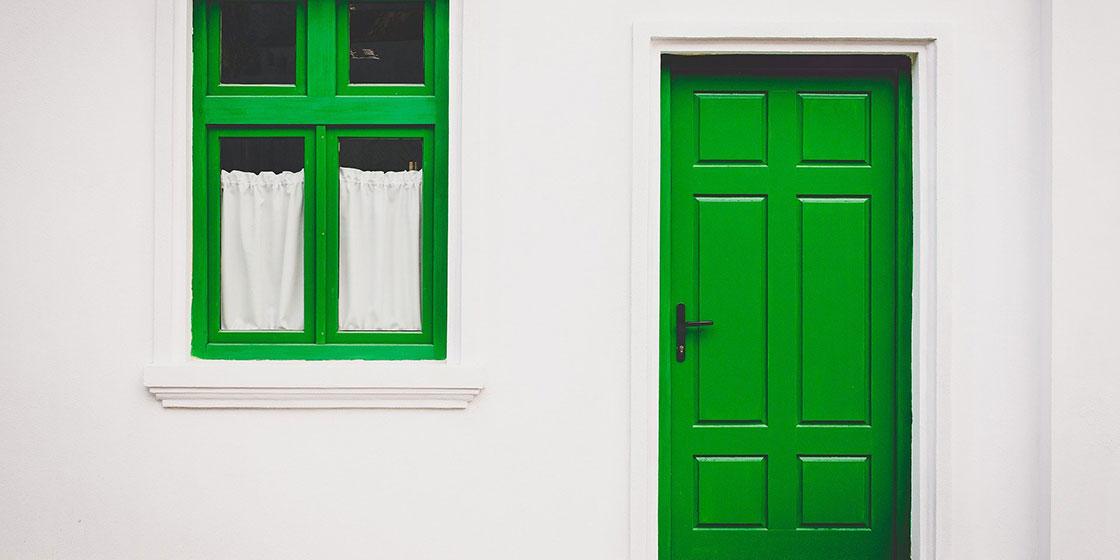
(784, 434)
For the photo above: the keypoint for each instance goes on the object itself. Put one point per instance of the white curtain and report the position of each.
(379, 250)
(262, 251)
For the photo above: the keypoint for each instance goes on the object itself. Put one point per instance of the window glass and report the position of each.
(386, 43)
(379, 268)
(258, 43)
(262, 234)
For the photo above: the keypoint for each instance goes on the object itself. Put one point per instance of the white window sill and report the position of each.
(309, 384)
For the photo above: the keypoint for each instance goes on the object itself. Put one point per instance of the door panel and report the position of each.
(835, 310)
(731, 256)
(780, 426)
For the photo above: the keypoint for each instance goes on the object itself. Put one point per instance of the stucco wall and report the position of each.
(1086, 266)
(92, 467)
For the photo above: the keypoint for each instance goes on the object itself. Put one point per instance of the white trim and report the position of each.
(285, 385)
(651, 40)
(178, 380)
(316, 397)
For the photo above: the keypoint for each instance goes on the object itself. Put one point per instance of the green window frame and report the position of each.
(321, 107)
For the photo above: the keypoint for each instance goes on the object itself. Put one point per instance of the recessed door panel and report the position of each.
(835, 492)
(732, 127)
(835, 310)
(732, 286)
(731, 492)
(835, 127)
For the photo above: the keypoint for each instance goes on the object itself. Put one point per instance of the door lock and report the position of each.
(682, 330)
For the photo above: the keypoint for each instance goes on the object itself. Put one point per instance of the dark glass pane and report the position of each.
(256, 155)
(386, 43)
(258, 43)
(380, 154)
(379, 217)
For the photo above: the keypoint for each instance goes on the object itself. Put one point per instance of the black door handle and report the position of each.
(683, 325)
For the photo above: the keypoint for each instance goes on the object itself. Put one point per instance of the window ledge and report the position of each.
(333, 385)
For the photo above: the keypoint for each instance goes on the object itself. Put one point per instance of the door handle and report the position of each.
(683, 325)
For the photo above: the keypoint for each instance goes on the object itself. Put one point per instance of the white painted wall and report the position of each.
(1086, 265)
(92, 467)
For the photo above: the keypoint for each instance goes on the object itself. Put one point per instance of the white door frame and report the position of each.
(651, 40)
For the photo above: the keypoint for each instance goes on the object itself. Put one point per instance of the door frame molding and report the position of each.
(651, 40)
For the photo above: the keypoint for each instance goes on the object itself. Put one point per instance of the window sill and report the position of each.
(331, 385)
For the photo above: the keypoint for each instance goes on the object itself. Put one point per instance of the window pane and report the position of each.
(386, 43)
(258, 43)
(380, 186)
(262, 234)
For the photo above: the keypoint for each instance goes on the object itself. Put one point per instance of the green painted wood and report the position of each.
(441, 141)
(732, 492)
(320, 50)
(731, 127)
(905, 239)
(835, 310)
(313, 351)
(200, 267)
(322, 232)
(836, 493)
(785, 432)
(732, 292)
(265, 110)
(319, 110)
(834, 127)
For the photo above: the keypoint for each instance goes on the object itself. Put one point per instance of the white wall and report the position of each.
(1086, 257)
(92, 467)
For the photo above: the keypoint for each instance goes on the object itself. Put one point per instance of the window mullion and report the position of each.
(321, 257)
(321, 49)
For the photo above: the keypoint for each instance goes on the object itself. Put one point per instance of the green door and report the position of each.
(785, 423)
